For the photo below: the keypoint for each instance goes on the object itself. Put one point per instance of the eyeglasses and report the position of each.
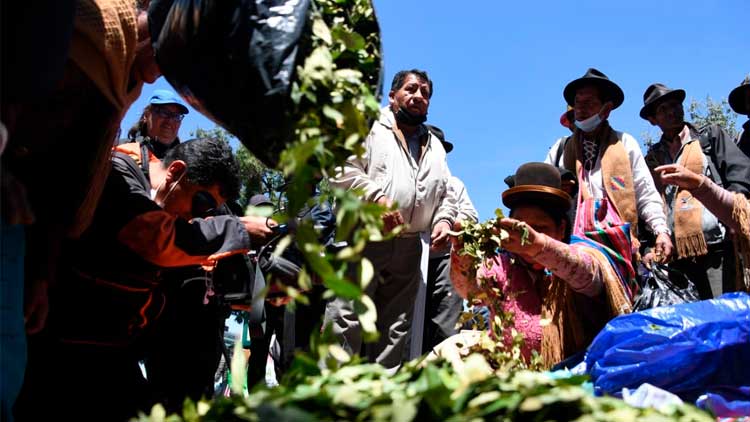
(204, 205)
(166, 114)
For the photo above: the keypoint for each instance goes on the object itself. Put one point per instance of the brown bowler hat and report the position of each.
(538, 184)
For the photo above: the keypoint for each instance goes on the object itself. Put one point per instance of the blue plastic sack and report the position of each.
(685, 349)
(726, 402)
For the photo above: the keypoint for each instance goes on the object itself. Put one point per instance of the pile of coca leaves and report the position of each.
(459, 388)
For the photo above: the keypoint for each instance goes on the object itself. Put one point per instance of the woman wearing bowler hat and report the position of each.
(572, 287)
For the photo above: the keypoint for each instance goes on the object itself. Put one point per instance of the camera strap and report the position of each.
(256, 317)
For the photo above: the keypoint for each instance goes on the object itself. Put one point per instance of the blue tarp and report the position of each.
(686, 349)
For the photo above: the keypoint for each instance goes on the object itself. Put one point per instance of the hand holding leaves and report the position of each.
(522, 239)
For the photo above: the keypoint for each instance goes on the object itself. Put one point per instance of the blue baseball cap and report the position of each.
(164, 96)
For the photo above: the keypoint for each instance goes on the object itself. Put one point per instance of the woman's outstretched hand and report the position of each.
(522, 239)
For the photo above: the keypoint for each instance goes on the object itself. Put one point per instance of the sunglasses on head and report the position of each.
(204, 205)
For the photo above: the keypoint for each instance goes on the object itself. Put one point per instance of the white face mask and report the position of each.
(589, 124)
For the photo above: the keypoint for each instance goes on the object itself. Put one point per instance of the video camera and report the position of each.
(238, 280)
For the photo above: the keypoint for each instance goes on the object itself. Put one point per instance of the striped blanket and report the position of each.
(599, 226)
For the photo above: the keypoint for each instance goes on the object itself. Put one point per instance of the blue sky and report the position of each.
(499, 68)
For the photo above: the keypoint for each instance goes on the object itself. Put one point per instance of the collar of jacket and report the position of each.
(388, 120)
(694, 134)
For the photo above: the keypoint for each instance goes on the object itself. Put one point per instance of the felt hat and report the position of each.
(594, 77)
(536, 183)
(655, 94)
(737, 97)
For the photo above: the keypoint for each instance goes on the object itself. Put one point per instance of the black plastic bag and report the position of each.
(664, 286)
(234, 61)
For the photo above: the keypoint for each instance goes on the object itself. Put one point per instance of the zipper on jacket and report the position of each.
(416, 180)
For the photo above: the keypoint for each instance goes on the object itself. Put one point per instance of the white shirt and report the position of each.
(648, 201)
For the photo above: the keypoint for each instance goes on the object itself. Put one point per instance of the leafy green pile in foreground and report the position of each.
(438, 390)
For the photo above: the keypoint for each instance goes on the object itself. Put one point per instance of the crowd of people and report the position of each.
(594, 210)
(109, 266)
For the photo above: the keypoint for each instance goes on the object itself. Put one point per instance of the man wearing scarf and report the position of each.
(609, 161)
(704, 249)
(403, 168)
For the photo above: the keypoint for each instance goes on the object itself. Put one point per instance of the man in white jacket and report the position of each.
(403, 168)
(438, 309)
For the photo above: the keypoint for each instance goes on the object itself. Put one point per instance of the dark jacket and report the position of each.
(731, 167)
(743, 139)
(724, 164)
(110, 281)
(156, 147)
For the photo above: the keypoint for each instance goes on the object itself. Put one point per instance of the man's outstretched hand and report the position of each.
(391, 219)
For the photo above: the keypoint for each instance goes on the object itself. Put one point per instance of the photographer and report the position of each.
(112, 286)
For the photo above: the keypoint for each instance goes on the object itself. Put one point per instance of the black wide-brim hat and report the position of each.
(737, 97)
(594, 77)
(655, 94)
(537, 184)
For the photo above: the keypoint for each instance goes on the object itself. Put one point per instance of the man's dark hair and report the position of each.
(400, 77)
(209, 161)
(140, 128)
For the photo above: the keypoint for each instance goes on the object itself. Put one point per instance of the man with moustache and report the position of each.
(403, 168)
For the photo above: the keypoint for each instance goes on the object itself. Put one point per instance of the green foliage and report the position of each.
(710, 112)
(499, 343)
(481, 240)
(458, 390)
(334, 97)
(335, 101)
(258, 178)
(649, 138)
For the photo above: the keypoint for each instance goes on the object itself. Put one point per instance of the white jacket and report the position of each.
(466, 210)
(387, 169)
